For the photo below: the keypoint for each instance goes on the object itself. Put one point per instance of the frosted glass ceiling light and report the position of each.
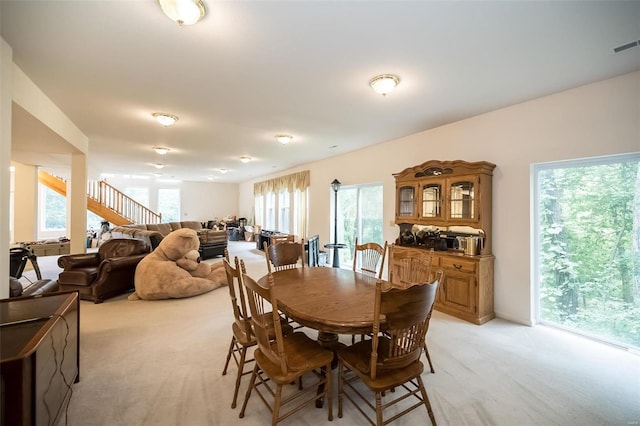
(384, 83)
(284, 139)
(161, 150)
(165, 119)
(184, 12)
(245, 159)
(158, 166)
(223, 171)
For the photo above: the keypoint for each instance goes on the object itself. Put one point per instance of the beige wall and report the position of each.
(593, 120)
(26, 197)
(6, 68)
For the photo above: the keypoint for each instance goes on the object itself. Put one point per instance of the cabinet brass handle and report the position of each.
(457, 266)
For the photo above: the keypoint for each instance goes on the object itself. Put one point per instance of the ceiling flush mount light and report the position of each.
(284, 139)
(184, 12)
(158, 166)
(384, 83)
(161, 150)
(223, 171)
(165, 119)
(245, 159)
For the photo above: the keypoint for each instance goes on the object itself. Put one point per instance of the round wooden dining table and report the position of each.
(331, 300)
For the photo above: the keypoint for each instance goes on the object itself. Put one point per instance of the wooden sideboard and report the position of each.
(467, 289)
(40, 351)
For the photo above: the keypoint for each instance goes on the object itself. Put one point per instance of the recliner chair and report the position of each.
(107, 273)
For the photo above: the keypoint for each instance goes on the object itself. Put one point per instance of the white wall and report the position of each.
(593, 120)
(201, 201)
(204, 201)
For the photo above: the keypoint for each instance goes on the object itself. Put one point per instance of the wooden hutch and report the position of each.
(442, 205)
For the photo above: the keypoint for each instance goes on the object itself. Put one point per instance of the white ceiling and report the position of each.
(253, 69)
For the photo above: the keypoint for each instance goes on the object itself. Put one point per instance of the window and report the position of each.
(284, 201)
(281, 203)
(141, 195)
(54, 210)
(169, 204)
(270, 210)
(587, 249)
(359, 215)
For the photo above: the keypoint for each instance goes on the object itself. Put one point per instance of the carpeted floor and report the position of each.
(159, 363)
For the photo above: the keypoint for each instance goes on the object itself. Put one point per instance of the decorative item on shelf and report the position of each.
(406, 237)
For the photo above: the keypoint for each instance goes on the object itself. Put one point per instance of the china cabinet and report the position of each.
(446, 205)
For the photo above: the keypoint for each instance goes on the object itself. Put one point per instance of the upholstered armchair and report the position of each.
(107, 273)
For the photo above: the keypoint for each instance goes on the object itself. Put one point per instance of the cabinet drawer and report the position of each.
(461, 265)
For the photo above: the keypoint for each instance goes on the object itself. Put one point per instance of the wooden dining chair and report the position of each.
(391, 359)
(415, 267)
(368, 258)
(284, 360)
(243, 337)
(285, 255)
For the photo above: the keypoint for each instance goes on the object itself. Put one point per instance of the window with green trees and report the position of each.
(587, 256)
(359, 215)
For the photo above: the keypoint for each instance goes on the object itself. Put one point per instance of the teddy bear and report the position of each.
(173, 270)
(191, 262)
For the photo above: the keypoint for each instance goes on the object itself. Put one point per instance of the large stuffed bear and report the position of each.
(173, 269)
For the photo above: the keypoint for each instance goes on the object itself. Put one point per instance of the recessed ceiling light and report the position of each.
(223, 171)
(161, 150)
(245, 159)
(210, 177)
(284, 139)
(384, 83)
(184, 12)
(165, 119)
(158, 166)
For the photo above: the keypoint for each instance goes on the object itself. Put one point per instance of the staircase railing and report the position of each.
(106, 201)
(125, 206)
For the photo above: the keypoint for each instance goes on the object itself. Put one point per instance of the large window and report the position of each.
(359, 215)
(169, 204)
(141, 195)
(587, 247)
(54, 210)
(281, 203)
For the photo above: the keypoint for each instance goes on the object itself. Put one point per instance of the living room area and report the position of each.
(280, 126)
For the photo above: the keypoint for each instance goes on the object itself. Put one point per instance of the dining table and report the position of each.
(331, 300)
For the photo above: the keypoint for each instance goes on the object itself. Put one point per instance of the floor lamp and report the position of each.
(335, 185)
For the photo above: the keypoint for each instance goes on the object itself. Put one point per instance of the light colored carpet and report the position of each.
(160, 362)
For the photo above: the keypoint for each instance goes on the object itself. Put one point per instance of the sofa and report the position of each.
(212, 242)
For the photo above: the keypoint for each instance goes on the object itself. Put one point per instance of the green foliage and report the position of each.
(588, 254)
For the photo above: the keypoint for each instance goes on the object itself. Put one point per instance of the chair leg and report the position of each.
(340, 388)
(427, 403)
(252, 384)
(277, 399)
(426, 351)
(243, 355)
(226, 364)
(379, 409)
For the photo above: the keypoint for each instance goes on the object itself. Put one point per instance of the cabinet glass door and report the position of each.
(462, 200)
(432, 200)
(406, 195)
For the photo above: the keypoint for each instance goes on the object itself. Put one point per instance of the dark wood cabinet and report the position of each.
(40, 345)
